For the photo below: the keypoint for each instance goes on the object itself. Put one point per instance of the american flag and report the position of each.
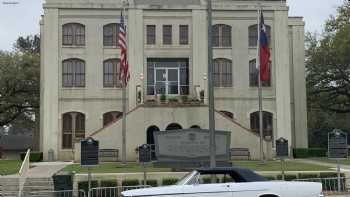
(124, 74)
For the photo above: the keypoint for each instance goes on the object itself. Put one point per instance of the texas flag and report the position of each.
(264, 51)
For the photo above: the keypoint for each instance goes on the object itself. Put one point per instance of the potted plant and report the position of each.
(163, 98)
(184, 99)
(173, 100)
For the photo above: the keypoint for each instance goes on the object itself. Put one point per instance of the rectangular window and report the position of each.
(151, 34)
(183, 34)
(167, 34)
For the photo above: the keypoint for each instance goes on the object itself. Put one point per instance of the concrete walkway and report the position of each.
(45, 169)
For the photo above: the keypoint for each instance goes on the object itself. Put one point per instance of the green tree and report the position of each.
(20, 82)
(328, 77)
(328, 65)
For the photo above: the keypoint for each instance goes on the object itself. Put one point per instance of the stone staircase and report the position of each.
(38, 187)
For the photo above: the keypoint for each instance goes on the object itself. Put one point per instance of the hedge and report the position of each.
(151, 182)
(109, 183)
(307, 176)
(309, 152)
(169, 181)
(270, 178)
(84, 185)
(34, 156)
(130, 182)
(287, 177)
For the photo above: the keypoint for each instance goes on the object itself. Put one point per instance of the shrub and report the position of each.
(169, 181)
(130, 182)
(151, 182)
(287, 177)
(109, 183)
(332, 184)
(270, 178)
(300, 153)
(162, 98)
(84, 185)
(173, 100)
(307, 176)
(207, 179)
(226, 179)
(34, 156)
(309, 152)
(317, 152)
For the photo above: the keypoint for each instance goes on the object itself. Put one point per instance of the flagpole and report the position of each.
(124, 111)
(261, 134)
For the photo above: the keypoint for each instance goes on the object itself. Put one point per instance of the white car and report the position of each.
(234, 182)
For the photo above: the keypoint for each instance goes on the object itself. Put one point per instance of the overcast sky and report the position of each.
(23, 18)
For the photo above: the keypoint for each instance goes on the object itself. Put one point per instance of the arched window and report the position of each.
(221, 35)
(73, 73)
(222, 72)
(150, 132)
(111, 34)
(267, 123)
(173, 126)
(111, 73)
(73, 34)
(254, 75)
(73, 128)
(195, 127)
(111, 117)
(253, 35)
(228, 114)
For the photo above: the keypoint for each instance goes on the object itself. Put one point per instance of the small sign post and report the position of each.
(282, 152)
(338, 149)
(89, 155)
(144, 158)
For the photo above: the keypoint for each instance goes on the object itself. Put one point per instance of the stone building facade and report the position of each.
(167, 53)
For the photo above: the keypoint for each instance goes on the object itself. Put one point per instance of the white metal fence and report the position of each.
(332, 186)
(112, 191)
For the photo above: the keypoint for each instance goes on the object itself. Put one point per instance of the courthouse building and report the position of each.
(81, 95)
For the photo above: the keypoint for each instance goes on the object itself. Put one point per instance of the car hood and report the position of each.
(154, 191)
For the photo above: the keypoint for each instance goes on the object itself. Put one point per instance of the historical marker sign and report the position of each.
(282, 149)
(144, 153)
(337, 145)
(190, 147)
(89, 152)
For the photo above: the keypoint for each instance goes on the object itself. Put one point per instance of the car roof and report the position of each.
(240, 174)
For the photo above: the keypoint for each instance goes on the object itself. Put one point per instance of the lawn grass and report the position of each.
(276, 166)
(114, 168)
(253, 165)
(8, 167)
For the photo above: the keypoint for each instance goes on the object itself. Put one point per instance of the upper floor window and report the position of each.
(73, 34)
(151, 34)
(222, 72)
(267, 123)
(167, 34)
(73, 73)
(110, 117)
(254, 75)
(111, 73)
(221, 35)
(253, 35)
(183, 34)
(111, 34)
(73, 129)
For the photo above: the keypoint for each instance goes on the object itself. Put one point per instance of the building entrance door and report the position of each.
(167, 81)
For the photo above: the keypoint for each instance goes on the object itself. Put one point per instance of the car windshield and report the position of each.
(188, 179)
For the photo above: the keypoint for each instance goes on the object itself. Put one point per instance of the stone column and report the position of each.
(135, 32)
(282, 64)
(299, 85)
(50, 82)
(200, 52)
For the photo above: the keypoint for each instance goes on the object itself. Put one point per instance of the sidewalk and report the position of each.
(45, 169)
(345, 168)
